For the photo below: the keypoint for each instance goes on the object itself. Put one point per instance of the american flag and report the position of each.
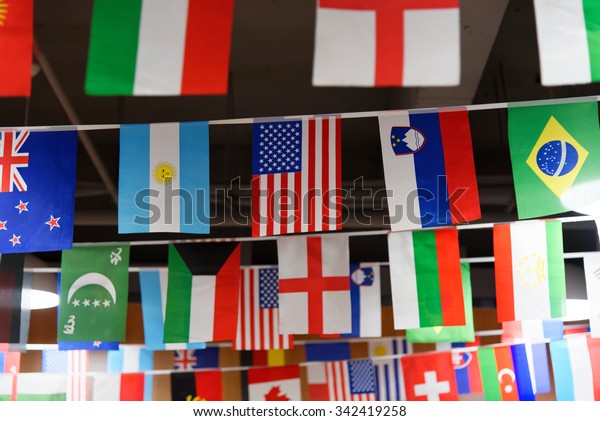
(75, 364)
(11, 160)
(258, 316)
(296, 182)
(352, 380)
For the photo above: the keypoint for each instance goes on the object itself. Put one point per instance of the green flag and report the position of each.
(464, 333)
(93, 293)
(555, 155)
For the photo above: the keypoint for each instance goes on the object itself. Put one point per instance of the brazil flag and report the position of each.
(555, 155)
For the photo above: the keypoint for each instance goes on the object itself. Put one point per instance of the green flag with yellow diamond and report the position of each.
(464, 333)
(555, 155)
(94, 287)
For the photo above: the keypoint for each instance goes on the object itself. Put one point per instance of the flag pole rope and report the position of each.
(348, 115)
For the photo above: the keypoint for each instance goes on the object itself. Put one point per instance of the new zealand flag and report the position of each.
(37, 190)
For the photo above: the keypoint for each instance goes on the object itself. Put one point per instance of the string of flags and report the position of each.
(134, 49)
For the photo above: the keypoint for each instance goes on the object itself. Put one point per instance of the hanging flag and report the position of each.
(269, 358)
(464, 333)
(591, 264)
(258, 314)
(429, 157)
(188, 359)
(37, 190)
(36, 387)
(203, 292)
(118, 387)
(197, 386)
(429, 377)
(362, 43)
(8, 387)
(154, 48)
(296, 176)
(467, 372)
(576, 368)
(89, 346)
(75, 364)
(327, 351)
(153, 289)
(539, 367)
(530, 270)
(532, 330)
(567, 35)
(317, 382)
(14, 301)
(505, 373)
(10, 362)
(352, 380)
(94, 290)
(385, 354)
(314, 285)
(16, 47)
(159, 163)
(365, 300)
(130, 359)
(555, 157)
(425, 273)
(274, 384)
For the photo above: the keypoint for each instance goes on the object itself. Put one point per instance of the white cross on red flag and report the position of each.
(429, 377)
(314, 285)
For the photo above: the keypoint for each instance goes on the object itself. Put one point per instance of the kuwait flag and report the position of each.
(387, 43)
(426, 281)
(159, 163)
(530, 270)
(16, 45)
(154, 47)
(568, 34)
(429, 154)
(576, 368)
(505, 373)
(203, 292)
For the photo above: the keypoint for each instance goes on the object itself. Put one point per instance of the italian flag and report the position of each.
(154, 47)
(568, 33)
(530, 270)
(426, 279)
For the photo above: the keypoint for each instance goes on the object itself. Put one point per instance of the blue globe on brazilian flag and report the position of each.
(555, 155)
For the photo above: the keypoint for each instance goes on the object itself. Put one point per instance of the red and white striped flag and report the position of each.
(296, 176)
(258, 316)
(78, 386)
(352, 380)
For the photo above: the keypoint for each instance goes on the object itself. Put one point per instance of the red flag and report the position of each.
(209, 385)
(274, 383)
(16, 47)
(258, 315)
(296, 176)
(314, 285)
(429, 377)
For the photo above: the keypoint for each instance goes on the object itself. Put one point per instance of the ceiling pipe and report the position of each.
(74, 119)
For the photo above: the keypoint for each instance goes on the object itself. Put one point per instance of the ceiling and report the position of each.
(270, 75)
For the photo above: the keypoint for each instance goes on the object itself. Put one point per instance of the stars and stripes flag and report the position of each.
(296, 176)
(350, 380)
(258, 316)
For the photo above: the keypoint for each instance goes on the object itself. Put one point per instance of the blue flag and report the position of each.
(328, 351)
(37, 190)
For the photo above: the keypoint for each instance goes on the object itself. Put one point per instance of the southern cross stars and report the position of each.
(53, 222)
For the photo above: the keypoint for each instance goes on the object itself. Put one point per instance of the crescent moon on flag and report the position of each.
(93, 278)
(511, 374)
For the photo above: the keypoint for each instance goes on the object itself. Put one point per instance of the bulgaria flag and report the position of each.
(568, 33)
(203, 292)
(154, 47)
(426, 279)
(530, 270)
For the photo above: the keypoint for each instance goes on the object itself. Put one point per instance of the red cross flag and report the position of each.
(314, 285)
(429, 377)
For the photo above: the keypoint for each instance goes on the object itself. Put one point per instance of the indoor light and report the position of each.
(43, 299)
(577, 310)
(583, 198)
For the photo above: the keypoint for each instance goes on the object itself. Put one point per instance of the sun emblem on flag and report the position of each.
(164, 172)
(532, 270)
(3, 11)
